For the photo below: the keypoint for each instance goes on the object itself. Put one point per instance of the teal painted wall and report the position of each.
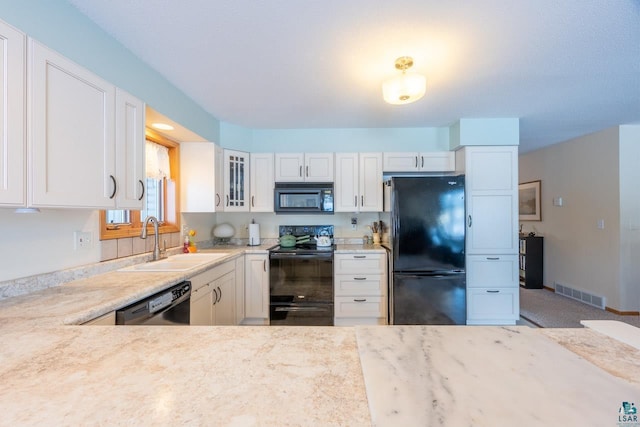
(61, 27)
(353, 139)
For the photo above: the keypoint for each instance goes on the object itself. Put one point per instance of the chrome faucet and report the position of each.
(157, 253)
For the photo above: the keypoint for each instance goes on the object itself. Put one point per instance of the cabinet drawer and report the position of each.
(373, 263)
(360, 284)
(360, 306)
(500, 271)
(493, 305)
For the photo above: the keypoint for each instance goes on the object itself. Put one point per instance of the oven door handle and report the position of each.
(298, 308)
(290, 255)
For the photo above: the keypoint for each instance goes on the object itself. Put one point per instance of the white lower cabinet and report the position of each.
(213, 296)
(360, 286)
(492, 289)
(492, 306)
(256, 295)
(224, 301)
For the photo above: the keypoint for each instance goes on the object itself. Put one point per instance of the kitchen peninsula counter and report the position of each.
(59, 374)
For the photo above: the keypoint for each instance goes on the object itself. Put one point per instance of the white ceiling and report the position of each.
(565, 68)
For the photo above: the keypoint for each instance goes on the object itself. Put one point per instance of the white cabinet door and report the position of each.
(491, 188)
(401, 162)
(298, 167)
(236, 181)
(318, 167)
(240, 288)
(200, 177)
(358, 183)
(257, 288)
(485, 271)
(370, 182)
(289, 167)
(72, 139)
(433, 161)
(224, 311)
(130, 149)
(493, 306)
(346, 185)
(262, 182)
(201, 306)
(12, 117)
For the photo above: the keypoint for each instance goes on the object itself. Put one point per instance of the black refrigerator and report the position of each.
(428, 285)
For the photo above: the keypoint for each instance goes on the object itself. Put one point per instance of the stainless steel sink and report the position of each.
(181, 262)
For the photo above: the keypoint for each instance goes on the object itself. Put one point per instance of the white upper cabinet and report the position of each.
(130, 149)
(298, 167)
(491, 187)
(201, 177)
(72, 138)
(435, 161)
(262, 182)
(358, 184)
(236, 181)
(12, 117)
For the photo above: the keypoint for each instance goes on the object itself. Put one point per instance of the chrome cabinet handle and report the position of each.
(300, 172)
(142, 186)
(359, 256)
(493, 258)
(359, 278)
(215, 300)
(115, 186)
(217, 199)
(469, 222)
(362, 201)
(359, 299)
(493, 291)
(264, 265)
(422, 157)
(227, 196)
(416, 162)
(219, 295)
(307, 171)
(355, 201)
(253, 204)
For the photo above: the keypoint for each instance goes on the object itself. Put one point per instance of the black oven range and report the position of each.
(301, 276)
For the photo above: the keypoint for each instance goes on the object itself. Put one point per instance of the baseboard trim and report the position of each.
(622, 313)
(609, 309)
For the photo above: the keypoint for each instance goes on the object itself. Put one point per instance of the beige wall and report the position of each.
(585, 172)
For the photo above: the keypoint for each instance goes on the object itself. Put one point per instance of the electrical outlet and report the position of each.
(354, 223)
(82, 240)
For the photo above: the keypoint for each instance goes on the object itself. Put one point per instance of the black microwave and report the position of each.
(303, 197)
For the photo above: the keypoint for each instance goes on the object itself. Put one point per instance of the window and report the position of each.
(160, 193)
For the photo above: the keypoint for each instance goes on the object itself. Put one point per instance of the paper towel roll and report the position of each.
(254, 234)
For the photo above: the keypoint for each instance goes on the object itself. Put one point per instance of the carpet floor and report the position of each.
(547, 309)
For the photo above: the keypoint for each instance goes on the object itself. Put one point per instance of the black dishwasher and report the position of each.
(168, 307)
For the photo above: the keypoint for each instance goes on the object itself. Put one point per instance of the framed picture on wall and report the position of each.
(529, 201)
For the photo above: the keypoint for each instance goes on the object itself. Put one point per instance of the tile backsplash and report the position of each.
(127, 246)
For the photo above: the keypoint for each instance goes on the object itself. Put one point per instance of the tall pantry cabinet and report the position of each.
(491, 194)
(13, 162)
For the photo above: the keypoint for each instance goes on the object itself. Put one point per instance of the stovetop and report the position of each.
(306, 230)
(300, 231)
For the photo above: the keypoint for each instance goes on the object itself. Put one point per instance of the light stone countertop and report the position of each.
(488, 376)
(54, 373)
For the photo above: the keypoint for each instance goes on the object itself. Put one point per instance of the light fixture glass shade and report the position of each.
(404, 89)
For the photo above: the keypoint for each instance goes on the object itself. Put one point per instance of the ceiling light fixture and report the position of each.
(405, 88)
(162, 126)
